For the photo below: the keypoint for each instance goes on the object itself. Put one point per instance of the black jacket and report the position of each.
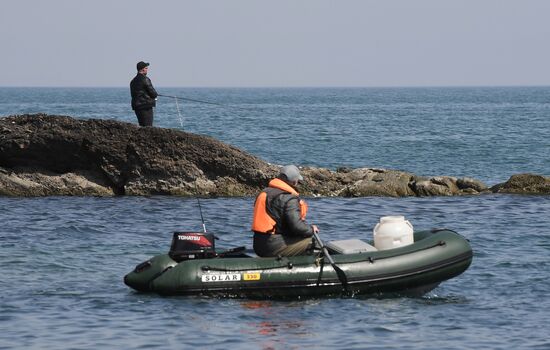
(143, 92)
(284, 208)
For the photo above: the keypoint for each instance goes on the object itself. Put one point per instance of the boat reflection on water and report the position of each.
(271, 323)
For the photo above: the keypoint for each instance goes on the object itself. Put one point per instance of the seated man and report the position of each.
(279, 222)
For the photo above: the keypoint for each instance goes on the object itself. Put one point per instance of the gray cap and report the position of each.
(291, 172)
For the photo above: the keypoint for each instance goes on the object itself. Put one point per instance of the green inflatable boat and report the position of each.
(349, 267)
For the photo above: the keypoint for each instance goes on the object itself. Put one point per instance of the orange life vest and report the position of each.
(262, 222)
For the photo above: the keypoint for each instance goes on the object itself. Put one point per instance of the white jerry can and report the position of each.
(393, 232)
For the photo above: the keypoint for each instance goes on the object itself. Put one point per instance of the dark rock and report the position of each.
(524, 184)
(469, 184)
(120, 157)
(343, 169)
(447, 186)
(390, 183)
(436, 186)
(355, 183)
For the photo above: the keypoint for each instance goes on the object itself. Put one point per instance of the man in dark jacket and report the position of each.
(279, 224)
(143, 95)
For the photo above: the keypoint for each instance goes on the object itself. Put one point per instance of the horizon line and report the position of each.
(279, 87)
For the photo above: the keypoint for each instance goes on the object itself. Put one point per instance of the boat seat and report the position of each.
(350, 246)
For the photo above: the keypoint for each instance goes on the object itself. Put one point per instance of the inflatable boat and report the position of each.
(348, 267)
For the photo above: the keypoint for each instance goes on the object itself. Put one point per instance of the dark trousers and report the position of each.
(145, 116)
(267, 245)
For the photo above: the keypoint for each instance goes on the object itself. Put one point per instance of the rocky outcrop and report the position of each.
(52, 184)
(365, 182)
(524, 184)
(58, 155)
(43, 155)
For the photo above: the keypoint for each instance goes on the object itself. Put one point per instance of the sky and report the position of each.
(282, 43)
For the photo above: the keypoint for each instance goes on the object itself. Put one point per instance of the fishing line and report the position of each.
(179, 113)
(192, 100)
(227, 107)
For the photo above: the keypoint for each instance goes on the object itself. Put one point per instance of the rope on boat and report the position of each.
(289, 265)
(372, 259)
(222, 269)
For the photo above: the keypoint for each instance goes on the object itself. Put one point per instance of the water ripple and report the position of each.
(64, 258)
(72, 268)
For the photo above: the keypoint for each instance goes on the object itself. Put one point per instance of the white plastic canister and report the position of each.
(392, 232)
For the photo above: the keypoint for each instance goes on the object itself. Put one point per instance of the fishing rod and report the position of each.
(200, 208)
(202, 218)
(236, 111)
(192, 100)
(176, 98)
(204, 225)
(227, 252)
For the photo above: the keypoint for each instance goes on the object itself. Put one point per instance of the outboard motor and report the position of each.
(192, 245)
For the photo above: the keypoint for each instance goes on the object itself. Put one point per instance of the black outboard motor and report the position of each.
(192, 245)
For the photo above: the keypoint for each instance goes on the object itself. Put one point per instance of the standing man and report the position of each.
(279, 222)
(143, 95)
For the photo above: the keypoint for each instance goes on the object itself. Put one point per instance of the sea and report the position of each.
(64, 258)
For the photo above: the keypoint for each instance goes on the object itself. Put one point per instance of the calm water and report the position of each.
(64, 258)
(485, 133)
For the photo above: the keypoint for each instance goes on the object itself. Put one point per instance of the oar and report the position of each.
(341, 274)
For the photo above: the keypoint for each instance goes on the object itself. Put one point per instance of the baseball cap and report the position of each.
(291, 172)
(140, 65)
